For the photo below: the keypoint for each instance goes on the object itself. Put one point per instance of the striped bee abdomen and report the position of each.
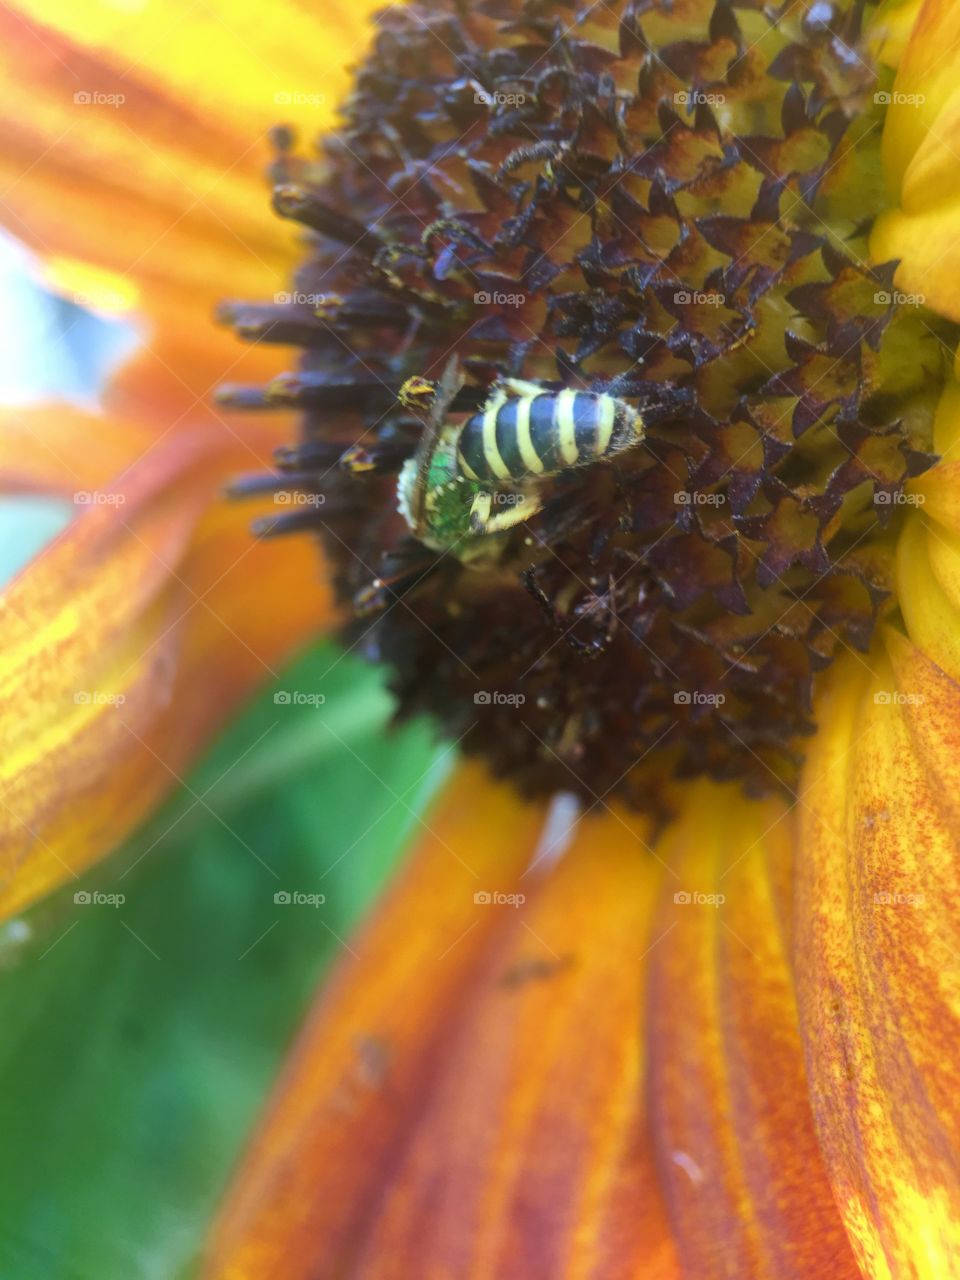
(541, 434)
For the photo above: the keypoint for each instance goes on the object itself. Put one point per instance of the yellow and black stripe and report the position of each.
(539, 435)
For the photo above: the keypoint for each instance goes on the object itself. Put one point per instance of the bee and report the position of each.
(483, 477)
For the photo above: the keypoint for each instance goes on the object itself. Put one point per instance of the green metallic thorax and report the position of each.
(446, 504)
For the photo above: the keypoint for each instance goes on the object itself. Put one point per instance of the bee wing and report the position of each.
(450, 383)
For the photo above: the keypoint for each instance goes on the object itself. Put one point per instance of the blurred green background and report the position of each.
(139, 1040)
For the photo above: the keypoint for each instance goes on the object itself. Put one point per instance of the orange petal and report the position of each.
(467, 1099)
(124, 645)
(60, 450)
(876, 957)
(183, 357)
(919, 153)
(743, 1178)
(166, 187)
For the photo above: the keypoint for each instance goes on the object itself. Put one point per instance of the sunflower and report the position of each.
(668, 988)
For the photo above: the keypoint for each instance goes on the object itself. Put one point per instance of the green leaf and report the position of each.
(140, 1037)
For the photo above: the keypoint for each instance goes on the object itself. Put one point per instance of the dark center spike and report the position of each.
(302, 205)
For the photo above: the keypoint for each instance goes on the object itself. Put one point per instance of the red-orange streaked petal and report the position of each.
(145, 597)
(167, 188)
(467, 1099)
(745, 1186)
(876, 957)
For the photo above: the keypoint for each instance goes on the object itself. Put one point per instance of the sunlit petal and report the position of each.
(124, 644)
(467, 1099)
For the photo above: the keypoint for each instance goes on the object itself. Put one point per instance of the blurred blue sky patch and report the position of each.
(52, 349)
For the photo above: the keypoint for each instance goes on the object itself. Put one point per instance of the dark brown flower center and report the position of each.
(671, 197)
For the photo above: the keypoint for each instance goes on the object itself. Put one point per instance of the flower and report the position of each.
(128, 641)
(707, 1030)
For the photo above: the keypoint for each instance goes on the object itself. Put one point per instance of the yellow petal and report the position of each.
(467, 1099)
(919, 154)
(124, 645)
(928, 575)
(890, 29)
(877, 950)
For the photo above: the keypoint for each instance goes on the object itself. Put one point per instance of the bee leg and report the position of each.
(512, 514)
(519, 387)
(480, 513)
